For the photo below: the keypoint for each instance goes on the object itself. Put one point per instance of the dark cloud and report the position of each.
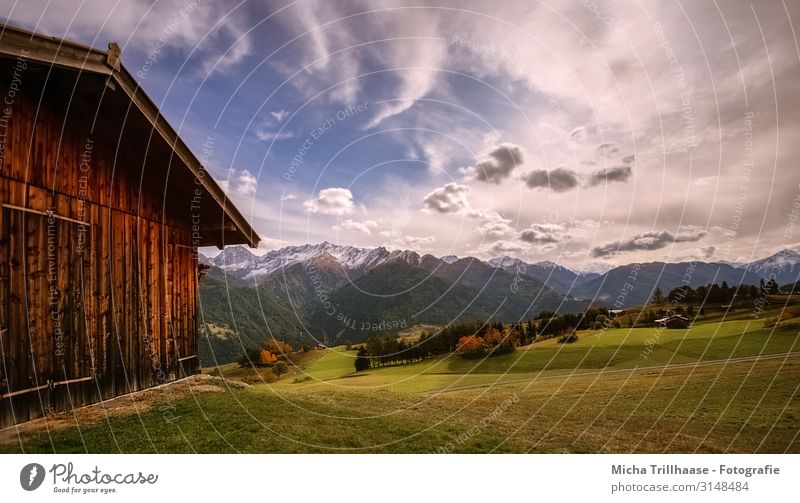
(577, 135)
(545, 234)
(558, 180)
(498, 165)
(606, 149)
(448, 199)
(615, 174)
(628, 159)
(647, 241)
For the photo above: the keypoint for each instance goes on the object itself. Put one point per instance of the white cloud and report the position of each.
(450, 198)
(267, 244)
(279, 114)
(365, 226)
(705, 181)
(266, 135)
(502, 248)
(241, 183)
(246, 183)
(415, 242)
(495, 229)
(494, 224)
(332, 201)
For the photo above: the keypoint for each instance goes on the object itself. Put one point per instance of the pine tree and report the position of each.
(362, 362)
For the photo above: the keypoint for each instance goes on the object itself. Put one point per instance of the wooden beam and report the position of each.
(23, 391)
(46, 214)
(31, 46)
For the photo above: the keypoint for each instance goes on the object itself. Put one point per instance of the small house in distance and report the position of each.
(673, 321)
(102, 209)
(613, 313)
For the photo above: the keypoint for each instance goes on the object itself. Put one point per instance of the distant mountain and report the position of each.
(633, 284)
(240, 262)
(552, 275)
(334, 292)
(449, 259)
(248, 317)
(400, 293)
(784, 265)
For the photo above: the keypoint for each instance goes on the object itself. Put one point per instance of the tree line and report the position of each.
(470, 340)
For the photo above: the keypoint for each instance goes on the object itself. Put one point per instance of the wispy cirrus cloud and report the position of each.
(365, 226)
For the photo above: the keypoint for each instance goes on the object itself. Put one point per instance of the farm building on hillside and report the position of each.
(103, 208)
(674, 321)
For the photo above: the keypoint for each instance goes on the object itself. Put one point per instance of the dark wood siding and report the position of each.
(98, 280)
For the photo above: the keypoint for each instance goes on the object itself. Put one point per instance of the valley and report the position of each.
(333, 294)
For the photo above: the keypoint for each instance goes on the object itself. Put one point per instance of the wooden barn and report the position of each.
(103, 208)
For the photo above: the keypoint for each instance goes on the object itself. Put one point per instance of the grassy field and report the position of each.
(711, 388)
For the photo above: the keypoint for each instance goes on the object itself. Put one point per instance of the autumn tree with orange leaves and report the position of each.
(493, 342)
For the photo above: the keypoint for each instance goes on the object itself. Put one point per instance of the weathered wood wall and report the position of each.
(87, 311)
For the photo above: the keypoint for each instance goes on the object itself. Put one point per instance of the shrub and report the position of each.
(568, 338)
(493, 342)
(280, 368)
(499, 343)
(471, 346)
(250, 357)
(278, 348)
(267, 358)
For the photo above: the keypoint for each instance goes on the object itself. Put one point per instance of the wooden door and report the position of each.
(48, 355)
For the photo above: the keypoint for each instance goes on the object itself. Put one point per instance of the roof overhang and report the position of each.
(16, 42)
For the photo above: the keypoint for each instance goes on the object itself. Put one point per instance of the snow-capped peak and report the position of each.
(234, 257)
(546, 264)
(505, 261)
(784, 259)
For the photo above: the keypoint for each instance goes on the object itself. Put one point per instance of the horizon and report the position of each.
(260, 252)
(434, 127)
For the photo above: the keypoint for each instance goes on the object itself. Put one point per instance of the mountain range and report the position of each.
(332, 293)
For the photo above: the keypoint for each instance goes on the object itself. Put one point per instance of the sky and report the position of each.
(590, 133)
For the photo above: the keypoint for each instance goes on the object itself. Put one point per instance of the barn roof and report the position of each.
(71, 56)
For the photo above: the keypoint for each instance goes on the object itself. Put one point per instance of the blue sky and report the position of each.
(588, 133)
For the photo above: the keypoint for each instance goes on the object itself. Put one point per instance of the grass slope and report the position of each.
(581, 397)
(736, 408)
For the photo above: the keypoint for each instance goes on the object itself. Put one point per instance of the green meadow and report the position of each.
(724, 386)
